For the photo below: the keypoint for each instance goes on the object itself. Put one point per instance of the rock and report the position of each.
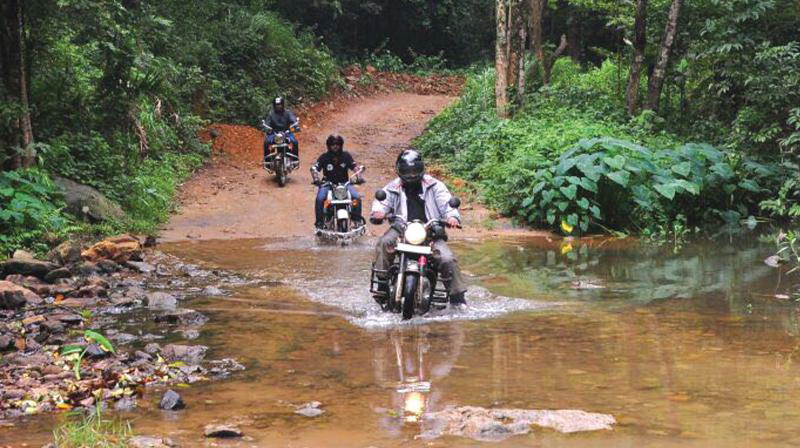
(150, 241)
(212, 291)
(93, 351)
(161, 301)
(182, 316)
(136, 293)
(222, 368)
(152, 348)
(24, 266)
(84, 269)
(56, 274)
(85, 202)
(119, 249)
(125, 404)
(171, 401)
(108, 266)
(141, 266)
(492, 425)
(138, 354)
(23, 255)
(52, 326)
(150, 442)
(6, 343)
(190, 354)
(91, 291)
(310, 409)
(190, 333)
(222, 431)
(68, 318)
(122, 301)
(68, 252)
(30, 282)
(13, 296)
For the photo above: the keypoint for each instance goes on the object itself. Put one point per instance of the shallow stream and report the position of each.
(686, 349)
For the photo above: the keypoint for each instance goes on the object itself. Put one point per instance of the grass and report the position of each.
(92, 431)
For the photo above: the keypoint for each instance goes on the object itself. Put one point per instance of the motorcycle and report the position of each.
(412, 284)
(339, 225)
(280, 161)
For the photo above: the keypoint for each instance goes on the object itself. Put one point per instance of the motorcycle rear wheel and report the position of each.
(409, 294)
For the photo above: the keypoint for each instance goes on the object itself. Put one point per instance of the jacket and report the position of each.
(434, 192)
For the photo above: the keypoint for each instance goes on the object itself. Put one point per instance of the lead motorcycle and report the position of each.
(339, 225)
(412, 284)
(280, 161)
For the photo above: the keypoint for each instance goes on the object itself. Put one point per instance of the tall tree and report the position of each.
(660, 70)
(501, 59)
(15, 82)
(639, 46)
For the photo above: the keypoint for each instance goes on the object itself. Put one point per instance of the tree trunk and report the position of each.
(660, 71)
(549, 61)
(639, 46)
(574, 34)
(516, 48)
(501, 60)
(28, 158)
(537, 15)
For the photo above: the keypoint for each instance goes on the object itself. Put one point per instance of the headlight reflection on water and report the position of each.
(414, 406)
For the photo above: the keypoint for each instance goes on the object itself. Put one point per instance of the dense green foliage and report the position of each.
(571, 160)
(119, 91)
(459, 31)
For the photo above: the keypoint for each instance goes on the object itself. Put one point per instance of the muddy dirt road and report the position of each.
(234, 198)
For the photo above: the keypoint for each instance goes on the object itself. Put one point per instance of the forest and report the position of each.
(649, 117)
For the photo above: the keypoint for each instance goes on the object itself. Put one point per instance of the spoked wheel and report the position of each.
(343, 227)
(409, 293)
(280, 172)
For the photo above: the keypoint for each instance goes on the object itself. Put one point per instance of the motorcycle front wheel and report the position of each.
(280, 172)
(409, 294)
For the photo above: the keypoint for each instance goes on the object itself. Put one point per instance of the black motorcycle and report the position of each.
(339, 225)
(280, 161)
(412, 284)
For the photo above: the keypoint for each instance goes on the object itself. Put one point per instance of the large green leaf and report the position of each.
(583, 203)
(620, 177)
(750, 185)
(691, 187)
(683, 168)
(588, 184)
(617, 162)
(666, 190)
(723, 170)
(569, 191)
(98, 338)
(562, 205)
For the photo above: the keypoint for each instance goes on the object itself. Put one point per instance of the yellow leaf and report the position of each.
(566, 248)
(566, 227)
(64, 406)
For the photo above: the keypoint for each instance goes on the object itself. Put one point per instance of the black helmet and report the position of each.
(409, 166)
(335, 139)
(278, 104)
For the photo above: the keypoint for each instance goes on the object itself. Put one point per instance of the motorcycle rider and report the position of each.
(280, 120)
(333, 165)
(416, 195)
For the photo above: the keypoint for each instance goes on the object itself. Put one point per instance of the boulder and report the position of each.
(222, 431)
(23, 255)
(84, 269)
(190, 354)
(310, 409)
(38, 287)
(119, 249)
(141, 266)
(23, 266)
(68, 252)
(161, 301)
(13, 296)
(182, 316)
(171, 401)
(56, 274)
(151, 442)
(88, 203)
(108, 266)
(493, 425)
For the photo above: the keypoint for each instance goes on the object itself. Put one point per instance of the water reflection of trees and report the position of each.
(590, 270)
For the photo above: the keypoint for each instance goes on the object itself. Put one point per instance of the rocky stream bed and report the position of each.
(81, 329)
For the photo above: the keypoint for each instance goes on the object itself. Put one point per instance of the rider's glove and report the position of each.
(453, 222)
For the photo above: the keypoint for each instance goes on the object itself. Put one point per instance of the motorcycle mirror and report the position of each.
(454, 202)
(380, 195)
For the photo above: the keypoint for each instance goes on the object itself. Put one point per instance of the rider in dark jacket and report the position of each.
(280, 120)
(334, 166)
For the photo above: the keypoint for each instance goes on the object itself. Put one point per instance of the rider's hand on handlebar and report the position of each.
(453, 223)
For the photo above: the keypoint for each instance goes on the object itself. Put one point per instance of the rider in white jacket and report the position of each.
(415, 195)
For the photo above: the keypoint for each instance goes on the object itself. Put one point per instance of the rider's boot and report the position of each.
(458, 300)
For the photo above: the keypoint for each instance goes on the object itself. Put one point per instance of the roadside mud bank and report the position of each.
(88, 327)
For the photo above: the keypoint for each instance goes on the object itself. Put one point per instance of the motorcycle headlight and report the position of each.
(278, 139)
(340, 192)
(415, 233)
